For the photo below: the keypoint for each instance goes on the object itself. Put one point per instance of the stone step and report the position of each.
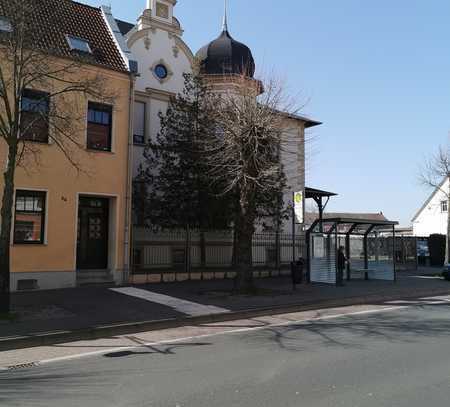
(94, 277)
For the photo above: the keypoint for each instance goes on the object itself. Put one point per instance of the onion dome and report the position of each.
(226, 56)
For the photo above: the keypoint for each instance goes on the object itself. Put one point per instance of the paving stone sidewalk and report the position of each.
(42, 312)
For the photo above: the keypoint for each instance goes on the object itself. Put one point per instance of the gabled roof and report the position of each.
(56, 19)
(435, 191)
(124, 26)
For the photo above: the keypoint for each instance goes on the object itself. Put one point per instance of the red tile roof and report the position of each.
(55, 19)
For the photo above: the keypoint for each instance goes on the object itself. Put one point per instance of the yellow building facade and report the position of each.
(72, 209)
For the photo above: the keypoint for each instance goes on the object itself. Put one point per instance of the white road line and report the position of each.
(234, 331)
(186, 307)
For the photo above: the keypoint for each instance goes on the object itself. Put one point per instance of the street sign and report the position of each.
(298, 207)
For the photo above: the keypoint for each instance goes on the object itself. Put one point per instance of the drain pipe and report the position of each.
(128, 195)
(132, 65)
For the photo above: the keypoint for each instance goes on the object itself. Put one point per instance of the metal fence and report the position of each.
(178, 255)
(407, 252)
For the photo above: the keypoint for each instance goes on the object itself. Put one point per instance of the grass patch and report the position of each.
(11, 317)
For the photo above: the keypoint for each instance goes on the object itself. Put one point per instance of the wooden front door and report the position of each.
(92, 241)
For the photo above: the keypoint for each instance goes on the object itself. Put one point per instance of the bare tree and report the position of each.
(28, 62)
(435, 174)
(245, 158)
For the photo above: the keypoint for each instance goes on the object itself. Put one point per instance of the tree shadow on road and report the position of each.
(356, 331)
(151, 350)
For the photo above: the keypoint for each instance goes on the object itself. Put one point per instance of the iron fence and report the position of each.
(177, 255)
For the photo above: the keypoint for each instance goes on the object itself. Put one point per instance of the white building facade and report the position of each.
(155, 42)
(433, 215)
(163, 58)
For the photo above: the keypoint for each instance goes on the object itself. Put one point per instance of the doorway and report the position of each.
(93, 233)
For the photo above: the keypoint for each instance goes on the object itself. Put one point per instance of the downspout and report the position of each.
(129, 185)
(132, 66)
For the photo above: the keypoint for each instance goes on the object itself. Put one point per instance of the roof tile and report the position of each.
(55, 19)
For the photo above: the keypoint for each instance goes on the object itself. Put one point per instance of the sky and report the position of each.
(376, 73)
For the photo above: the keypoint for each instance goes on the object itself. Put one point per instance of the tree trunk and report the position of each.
(245, 228)
(5, 229)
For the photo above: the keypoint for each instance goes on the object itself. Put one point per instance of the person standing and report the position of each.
(341, 263)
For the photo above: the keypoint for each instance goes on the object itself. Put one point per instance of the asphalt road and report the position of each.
(393, 359)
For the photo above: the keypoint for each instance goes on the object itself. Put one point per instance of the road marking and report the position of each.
(185, 307)
(234, 331)
(422, 301)
(297, 321)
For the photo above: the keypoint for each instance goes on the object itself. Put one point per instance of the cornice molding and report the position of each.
(157, 94)
(136, 36)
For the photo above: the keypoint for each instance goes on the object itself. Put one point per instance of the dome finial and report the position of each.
(225, 16)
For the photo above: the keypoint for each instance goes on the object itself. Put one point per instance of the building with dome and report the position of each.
(162, 56)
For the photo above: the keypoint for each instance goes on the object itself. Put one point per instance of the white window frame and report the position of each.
(72, 48)
(46, 214)
(144, 123)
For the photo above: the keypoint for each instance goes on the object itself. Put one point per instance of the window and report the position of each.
(162, 10)
(139, 123)
(161, 71)
(29, 221)
(5, 24)
(444, 206)
(78, 44)
(34, 121)
(99, 130)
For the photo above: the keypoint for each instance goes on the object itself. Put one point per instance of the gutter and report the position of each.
(105, 331)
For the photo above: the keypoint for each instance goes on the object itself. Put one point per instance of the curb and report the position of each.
(98, 332)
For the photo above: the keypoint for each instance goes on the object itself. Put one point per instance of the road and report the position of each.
(394, 358)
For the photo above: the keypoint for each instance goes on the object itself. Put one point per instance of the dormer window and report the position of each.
(5, 25)
(79, 44)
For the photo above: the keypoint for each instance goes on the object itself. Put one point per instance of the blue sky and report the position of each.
(376, 73)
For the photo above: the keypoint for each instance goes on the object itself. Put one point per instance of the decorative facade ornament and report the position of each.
(161, 71)
(170, 34)
(147, 42)
(176, 51)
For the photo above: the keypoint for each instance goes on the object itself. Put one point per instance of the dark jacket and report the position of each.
(341, 260)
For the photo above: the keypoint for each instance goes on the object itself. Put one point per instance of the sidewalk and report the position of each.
(102, 311)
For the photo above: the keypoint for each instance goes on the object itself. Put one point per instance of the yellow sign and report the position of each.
(298, 206)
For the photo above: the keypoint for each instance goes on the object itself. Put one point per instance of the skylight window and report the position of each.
(78, 44)
(5, 24)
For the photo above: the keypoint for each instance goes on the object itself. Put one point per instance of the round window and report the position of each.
(161, 71)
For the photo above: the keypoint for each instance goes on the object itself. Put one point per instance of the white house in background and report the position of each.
(433, 215)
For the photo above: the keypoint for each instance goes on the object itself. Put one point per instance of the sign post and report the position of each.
(297, 217)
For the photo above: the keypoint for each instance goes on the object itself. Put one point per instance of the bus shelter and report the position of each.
(369, 246)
